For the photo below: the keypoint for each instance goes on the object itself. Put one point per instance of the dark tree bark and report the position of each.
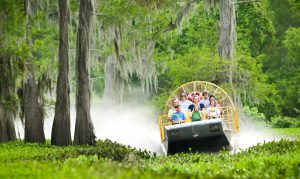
(34, 127)
(7, 128)
(227, 35)
(227, 29)
(61, 133)
(7, 88)
(84, 129)
(227, 42)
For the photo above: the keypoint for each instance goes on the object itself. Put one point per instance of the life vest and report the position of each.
(191, 95)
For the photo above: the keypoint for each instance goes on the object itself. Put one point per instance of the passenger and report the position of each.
(178, 117)
(196, 114)
(205, 99)
(213, 112)
(175, 102)
(196, 102)
(212, 97)
(184, 103)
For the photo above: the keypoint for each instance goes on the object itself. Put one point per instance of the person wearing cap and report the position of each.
(175, 102)
(184, 103)
(205, 99)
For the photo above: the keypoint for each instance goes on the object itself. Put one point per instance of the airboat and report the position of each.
(200, 136)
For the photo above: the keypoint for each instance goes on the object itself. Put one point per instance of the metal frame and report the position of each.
(229, 116)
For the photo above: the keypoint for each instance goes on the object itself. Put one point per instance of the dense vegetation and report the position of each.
(103, 48)
(107, 159)
(266, 59)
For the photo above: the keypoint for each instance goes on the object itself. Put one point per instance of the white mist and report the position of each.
(251, 133)
(135, 124)
(130, 124)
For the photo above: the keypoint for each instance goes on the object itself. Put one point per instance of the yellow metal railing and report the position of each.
(162, 122)
(229, 112)
(229, 116)
(199, 86)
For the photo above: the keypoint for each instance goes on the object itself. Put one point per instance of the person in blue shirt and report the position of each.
(178, 116)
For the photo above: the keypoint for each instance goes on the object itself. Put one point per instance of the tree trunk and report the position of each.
(34, 128)
(227, 41)
(84, 129)
(61, 133)
(7, 128)
(227, 29)
(8, 76)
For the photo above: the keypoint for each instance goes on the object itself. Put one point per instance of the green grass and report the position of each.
(107, 159)
(288, 132)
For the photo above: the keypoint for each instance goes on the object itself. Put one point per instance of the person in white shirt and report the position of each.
(184, 103)
(213, 112)
(205, 99)
(212, 97)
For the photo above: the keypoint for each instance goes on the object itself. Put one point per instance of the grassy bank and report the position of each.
(110, 160)
(287, 132)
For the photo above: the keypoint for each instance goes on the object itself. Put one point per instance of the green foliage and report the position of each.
(293, 133)
(10, 102)
(190, 55)
(255, 30)
(114, 12)
(252, 86)
(110, 160)
(266, 67)
(284, 14)
(13, 50)
(39, 161)
(289, 85)
(198, 64)
(103, 149)
(12, 23)
(287, 78)
(282, 122)
(253, 114)
(261, 160)
(159, 101)
(255, 37)
(282, 66)
(43, 36)
(285, 122)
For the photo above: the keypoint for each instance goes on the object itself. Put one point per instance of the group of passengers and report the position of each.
(208, 105)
